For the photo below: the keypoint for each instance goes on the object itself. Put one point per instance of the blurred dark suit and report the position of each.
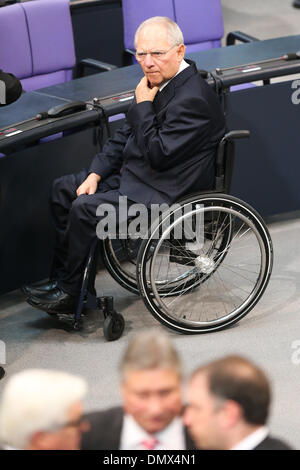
(105, 431)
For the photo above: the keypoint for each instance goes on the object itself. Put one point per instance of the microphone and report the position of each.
(285, 57)
(10, 88)
(42, 115)
(291, 56)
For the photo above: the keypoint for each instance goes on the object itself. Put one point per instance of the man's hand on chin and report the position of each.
(143, 92)
(90, 184)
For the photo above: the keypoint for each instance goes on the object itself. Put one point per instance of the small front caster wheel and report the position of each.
(113, 327)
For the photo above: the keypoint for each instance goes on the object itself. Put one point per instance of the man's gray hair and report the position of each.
(37, 400)
(174, 32)
(150, 350)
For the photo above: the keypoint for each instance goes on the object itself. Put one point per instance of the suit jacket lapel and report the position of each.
(163, 97)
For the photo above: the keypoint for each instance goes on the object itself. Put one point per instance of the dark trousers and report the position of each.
(75, 222)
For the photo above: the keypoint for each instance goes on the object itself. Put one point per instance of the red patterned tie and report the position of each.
(150, 443)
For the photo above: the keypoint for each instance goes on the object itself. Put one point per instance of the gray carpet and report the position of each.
(267, 335)
(263, 19)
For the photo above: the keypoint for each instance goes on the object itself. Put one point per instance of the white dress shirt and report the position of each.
(170, 438)
(182, 66)
(252, 441)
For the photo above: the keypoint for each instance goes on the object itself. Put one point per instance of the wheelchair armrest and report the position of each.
(236, 135)
(94, 64)
(225, 159)
(239, 36)
(229, 137)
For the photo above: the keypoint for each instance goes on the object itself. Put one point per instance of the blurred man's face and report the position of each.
(154, 38)
(152, 397)
(67, 437)
(203, 415)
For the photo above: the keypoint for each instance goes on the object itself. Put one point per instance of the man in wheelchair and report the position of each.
(165, 150)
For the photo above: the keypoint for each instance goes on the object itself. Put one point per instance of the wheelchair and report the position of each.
(200, 282)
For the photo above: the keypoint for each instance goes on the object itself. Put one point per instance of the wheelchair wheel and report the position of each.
(216, 272)
(113, 327)
(119, 257)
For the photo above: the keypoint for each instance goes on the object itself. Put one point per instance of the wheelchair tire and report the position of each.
(113, 327)
(120, 258)
(120, 261)
(222, 281)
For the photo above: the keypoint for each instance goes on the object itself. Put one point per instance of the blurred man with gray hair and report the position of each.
(150, 417)
(42, 410)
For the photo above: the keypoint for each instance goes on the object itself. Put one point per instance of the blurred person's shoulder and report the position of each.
(273, 443)
(105, 429)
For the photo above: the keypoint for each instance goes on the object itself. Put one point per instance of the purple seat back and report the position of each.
(15, 54)
(201, 21)
(40, 45)
(137, 11)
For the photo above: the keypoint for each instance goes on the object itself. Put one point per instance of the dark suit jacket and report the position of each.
(105, 431)
(270, 443)
(166, 149)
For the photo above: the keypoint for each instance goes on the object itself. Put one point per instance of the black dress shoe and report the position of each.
(54, 302)
(39, 288)
(296, 3)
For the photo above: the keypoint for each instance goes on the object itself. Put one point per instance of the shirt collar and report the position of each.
(252, 440)
(182, 66)
(132, 434)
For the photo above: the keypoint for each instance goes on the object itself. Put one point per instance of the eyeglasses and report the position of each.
(77, 423)
(80, 423)
(157, 55)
